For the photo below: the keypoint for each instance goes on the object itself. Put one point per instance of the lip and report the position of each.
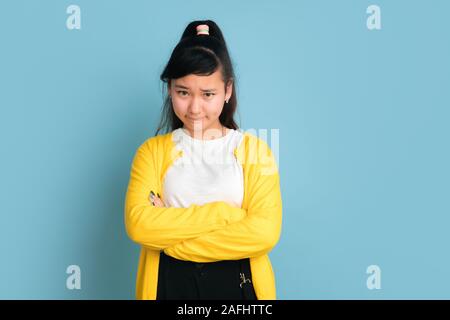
(195, 119)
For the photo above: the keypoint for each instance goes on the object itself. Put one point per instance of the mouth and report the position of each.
(195, 119)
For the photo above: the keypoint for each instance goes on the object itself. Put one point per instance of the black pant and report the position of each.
(221, 280)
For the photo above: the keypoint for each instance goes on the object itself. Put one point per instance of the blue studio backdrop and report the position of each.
(358, 91)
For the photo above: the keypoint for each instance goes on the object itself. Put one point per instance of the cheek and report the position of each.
(215, 107)
(180, 106)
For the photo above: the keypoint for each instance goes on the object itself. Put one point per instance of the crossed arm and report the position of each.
(159, 228)
(254, 235)
(211, 232)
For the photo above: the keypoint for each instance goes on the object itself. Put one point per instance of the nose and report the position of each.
(195, 107)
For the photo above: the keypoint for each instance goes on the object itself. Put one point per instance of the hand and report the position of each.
(156, 200)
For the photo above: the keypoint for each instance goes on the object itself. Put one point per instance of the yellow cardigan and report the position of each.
(210, 232)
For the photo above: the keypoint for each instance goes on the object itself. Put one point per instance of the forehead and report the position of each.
(193, 81)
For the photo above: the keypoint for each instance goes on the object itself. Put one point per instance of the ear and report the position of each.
(229, 89)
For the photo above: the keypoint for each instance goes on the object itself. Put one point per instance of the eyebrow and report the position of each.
(183, 87)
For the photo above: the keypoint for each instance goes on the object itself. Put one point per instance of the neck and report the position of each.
(208, 134)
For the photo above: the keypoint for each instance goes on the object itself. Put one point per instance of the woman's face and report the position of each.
(198, 101)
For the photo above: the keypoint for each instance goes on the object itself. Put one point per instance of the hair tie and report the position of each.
(203, 29)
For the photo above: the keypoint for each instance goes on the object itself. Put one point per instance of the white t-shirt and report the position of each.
(207, 171)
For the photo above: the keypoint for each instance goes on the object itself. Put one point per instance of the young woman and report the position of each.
(203, 198)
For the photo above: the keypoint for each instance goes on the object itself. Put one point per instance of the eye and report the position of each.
(211, 94)
(181, 92)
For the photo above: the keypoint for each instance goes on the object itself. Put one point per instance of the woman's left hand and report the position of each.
(156, 200)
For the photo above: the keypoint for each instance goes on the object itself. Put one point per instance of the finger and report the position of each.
(159, 202)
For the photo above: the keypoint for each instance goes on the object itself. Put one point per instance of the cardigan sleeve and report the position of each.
(158, 228)
(254, 235)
